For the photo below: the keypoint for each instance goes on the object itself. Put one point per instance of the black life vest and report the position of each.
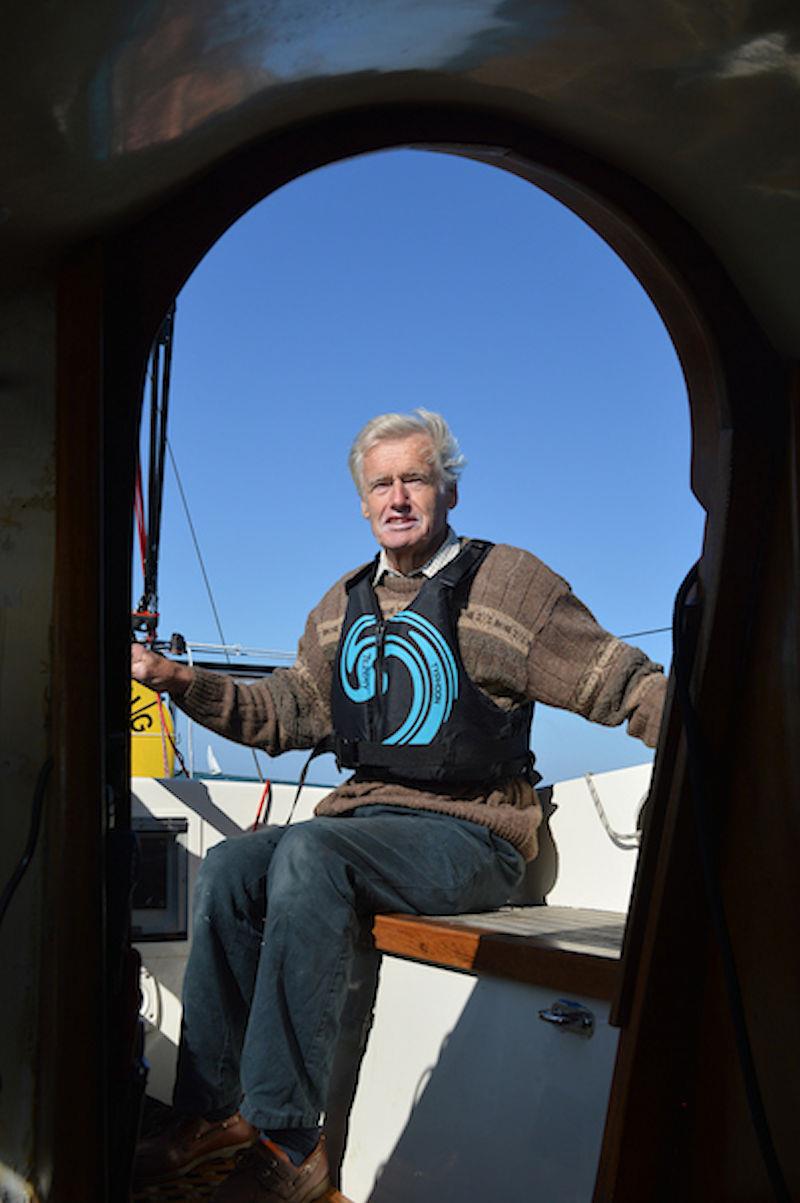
(402, 704)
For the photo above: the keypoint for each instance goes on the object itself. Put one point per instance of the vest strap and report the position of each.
(502, 757)
(326, 744)
(368, 571)
(463, 566)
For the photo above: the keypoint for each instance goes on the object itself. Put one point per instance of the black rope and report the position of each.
(684, 642)
(160, 378)
(151, 565)
(165, 341)
(326, 744)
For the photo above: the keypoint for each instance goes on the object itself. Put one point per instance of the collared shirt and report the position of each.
(442, 556)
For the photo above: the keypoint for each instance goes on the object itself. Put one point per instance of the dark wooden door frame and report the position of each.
(733, 377)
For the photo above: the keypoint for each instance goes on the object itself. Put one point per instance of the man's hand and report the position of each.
(158, 673)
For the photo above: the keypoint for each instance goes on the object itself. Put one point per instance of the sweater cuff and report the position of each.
(204, 695)
(645, 721)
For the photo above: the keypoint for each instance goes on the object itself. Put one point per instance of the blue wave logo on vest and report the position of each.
(420, 648)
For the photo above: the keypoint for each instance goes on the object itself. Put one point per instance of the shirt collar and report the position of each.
(442, 556)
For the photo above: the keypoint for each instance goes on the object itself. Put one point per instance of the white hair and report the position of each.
(447, 458)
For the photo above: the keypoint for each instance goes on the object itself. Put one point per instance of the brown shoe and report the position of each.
(188, 1142)
(264, 1174)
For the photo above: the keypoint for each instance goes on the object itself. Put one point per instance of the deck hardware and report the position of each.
(570, 1016)
(149, 999)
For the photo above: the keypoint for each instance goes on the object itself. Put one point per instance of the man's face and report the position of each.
(403, 501)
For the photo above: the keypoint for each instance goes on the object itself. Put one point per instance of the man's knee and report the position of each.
(308, 854)
(222, 874)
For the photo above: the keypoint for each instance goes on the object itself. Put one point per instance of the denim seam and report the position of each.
(312, 1048)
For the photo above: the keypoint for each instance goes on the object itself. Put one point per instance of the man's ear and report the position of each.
(364, 509)
(452, 500)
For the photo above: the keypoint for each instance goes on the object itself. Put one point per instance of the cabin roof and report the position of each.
(110, 106)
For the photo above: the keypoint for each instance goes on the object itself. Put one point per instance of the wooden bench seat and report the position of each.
(565, 948)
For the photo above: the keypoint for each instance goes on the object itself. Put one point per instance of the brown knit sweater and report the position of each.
(523, 636)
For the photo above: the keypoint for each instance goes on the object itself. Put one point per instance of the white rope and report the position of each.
(628, 842)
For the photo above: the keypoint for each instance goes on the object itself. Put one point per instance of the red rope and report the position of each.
(266, 795)
(138, 509)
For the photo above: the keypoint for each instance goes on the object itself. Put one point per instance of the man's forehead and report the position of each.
(406, 447)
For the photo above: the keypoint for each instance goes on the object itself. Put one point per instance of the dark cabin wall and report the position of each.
(77, 1046)
(27, 534)
(105, 324)
(117, 106)
(760, 819)
(94, 468)
(678, 1124)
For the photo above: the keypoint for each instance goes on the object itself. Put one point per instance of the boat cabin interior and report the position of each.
(133, 136)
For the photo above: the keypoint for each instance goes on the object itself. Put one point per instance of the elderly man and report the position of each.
(420, 671)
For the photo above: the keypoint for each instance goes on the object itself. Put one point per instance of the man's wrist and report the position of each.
(180, 679)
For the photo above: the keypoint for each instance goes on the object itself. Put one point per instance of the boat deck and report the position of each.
(201, 1184)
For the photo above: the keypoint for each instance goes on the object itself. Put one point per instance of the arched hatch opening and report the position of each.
(409, 277)
(724, 356)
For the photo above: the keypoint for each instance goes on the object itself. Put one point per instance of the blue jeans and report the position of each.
(277, 916)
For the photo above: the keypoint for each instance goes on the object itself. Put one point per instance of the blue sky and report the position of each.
(411, 278)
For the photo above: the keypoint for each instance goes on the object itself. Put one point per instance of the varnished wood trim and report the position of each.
(539, 960)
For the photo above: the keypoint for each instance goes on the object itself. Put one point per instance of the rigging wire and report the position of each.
(651, 631)
(236, 649)
(207, 582)
(196, 543)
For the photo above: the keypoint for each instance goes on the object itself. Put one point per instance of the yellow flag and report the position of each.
(152, 753)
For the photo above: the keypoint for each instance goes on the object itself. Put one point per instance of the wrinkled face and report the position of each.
(403, 501)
